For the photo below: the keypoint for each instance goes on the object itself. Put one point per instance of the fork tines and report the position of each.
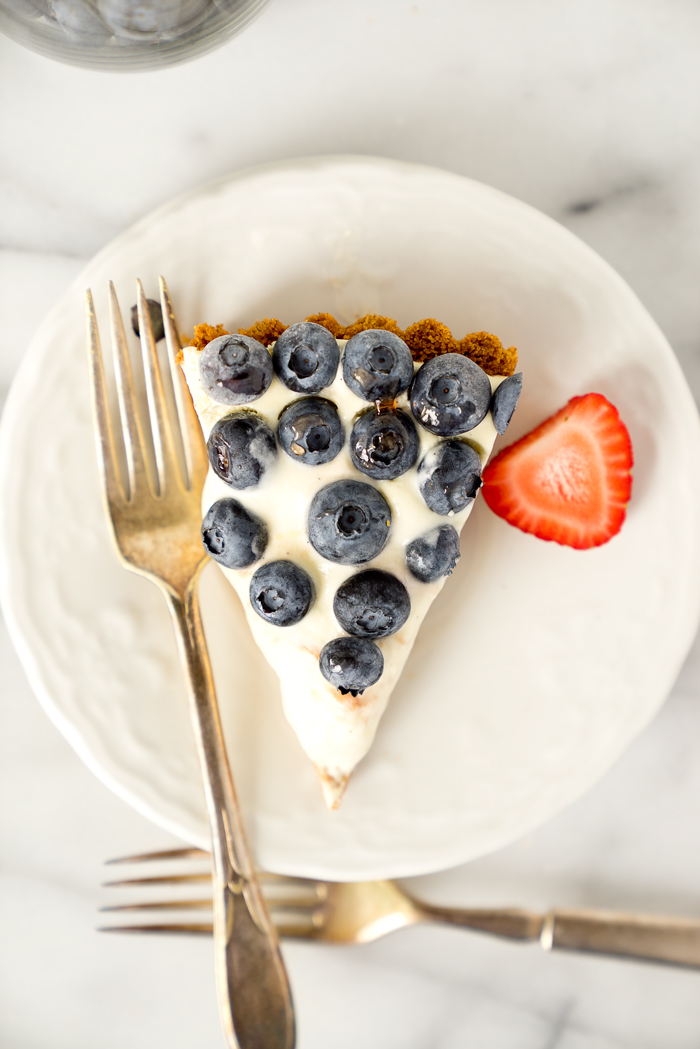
(148, 462)
(179, 880)
(164, 854)
(293, 902)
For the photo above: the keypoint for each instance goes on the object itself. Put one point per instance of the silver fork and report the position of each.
(156, 521)
(359, 912)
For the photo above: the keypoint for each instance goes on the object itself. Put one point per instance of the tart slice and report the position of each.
(344, 463)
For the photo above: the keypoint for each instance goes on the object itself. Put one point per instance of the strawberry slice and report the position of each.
(568, 480)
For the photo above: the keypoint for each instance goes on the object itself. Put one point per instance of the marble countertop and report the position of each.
(588, 111)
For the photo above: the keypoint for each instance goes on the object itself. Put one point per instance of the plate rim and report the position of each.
(31, 358)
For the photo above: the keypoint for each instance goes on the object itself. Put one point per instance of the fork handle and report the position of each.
(643, 936)
(253, 991)
(651, 937)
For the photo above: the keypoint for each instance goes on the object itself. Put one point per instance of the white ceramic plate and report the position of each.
(536, 666)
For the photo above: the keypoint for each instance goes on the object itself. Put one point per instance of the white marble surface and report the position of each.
(588, 110)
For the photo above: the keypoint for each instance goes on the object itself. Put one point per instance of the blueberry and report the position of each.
(384, 444)
(156, 315)
(281, 593)
(505, 398)
(241, 448)
(233, 536)
(351, 664)
(372, 604)
(433, 555)
(310, 431)
(349, 522)
(450, 394)
(305, 358)
(449, 476)
(235, 369)
(377, 365)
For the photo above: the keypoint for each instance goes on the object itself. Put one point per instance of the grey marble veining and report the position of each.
(588, 111)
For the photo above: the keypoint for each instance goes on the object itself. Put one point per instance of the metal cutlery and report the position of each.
(359, 912)
(155, 513)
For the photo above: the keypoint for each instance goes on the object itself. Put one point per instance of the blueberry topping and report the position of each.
(450, 394)
(384, 444)
(351, 664)
(434, 554)
(349, 522)
(449, 476)
(305, 358)
(241, 448)
(377, 365)
(372, 604)
(156, 315)
(505, 398)
(310, 431)
(235, 369)
(281, 592)
(233, 536)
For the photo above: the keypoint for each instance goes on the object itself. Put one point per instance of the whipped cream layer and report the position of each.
(335, 730)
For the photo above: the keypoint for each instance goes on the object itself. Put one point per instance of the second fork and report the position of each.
(359, 912)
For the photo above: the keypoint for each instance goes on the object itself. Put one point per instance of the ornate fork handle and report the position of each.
(251, 979)
(650, 937)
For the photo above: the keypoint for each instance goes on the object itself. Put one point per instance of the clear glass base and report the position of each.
(125, 35)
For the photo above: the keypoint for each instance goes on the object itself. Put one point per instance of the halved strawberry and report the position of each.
(568, 480)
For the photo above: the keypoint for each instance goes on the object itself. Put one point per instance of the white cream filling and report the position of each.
(335, 731)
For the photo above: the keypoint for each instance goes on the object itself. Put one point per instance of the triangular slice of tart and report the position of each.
(344, 464)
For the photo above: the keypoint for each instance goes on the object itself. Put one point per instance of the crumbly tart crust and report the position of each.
(425, 339)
